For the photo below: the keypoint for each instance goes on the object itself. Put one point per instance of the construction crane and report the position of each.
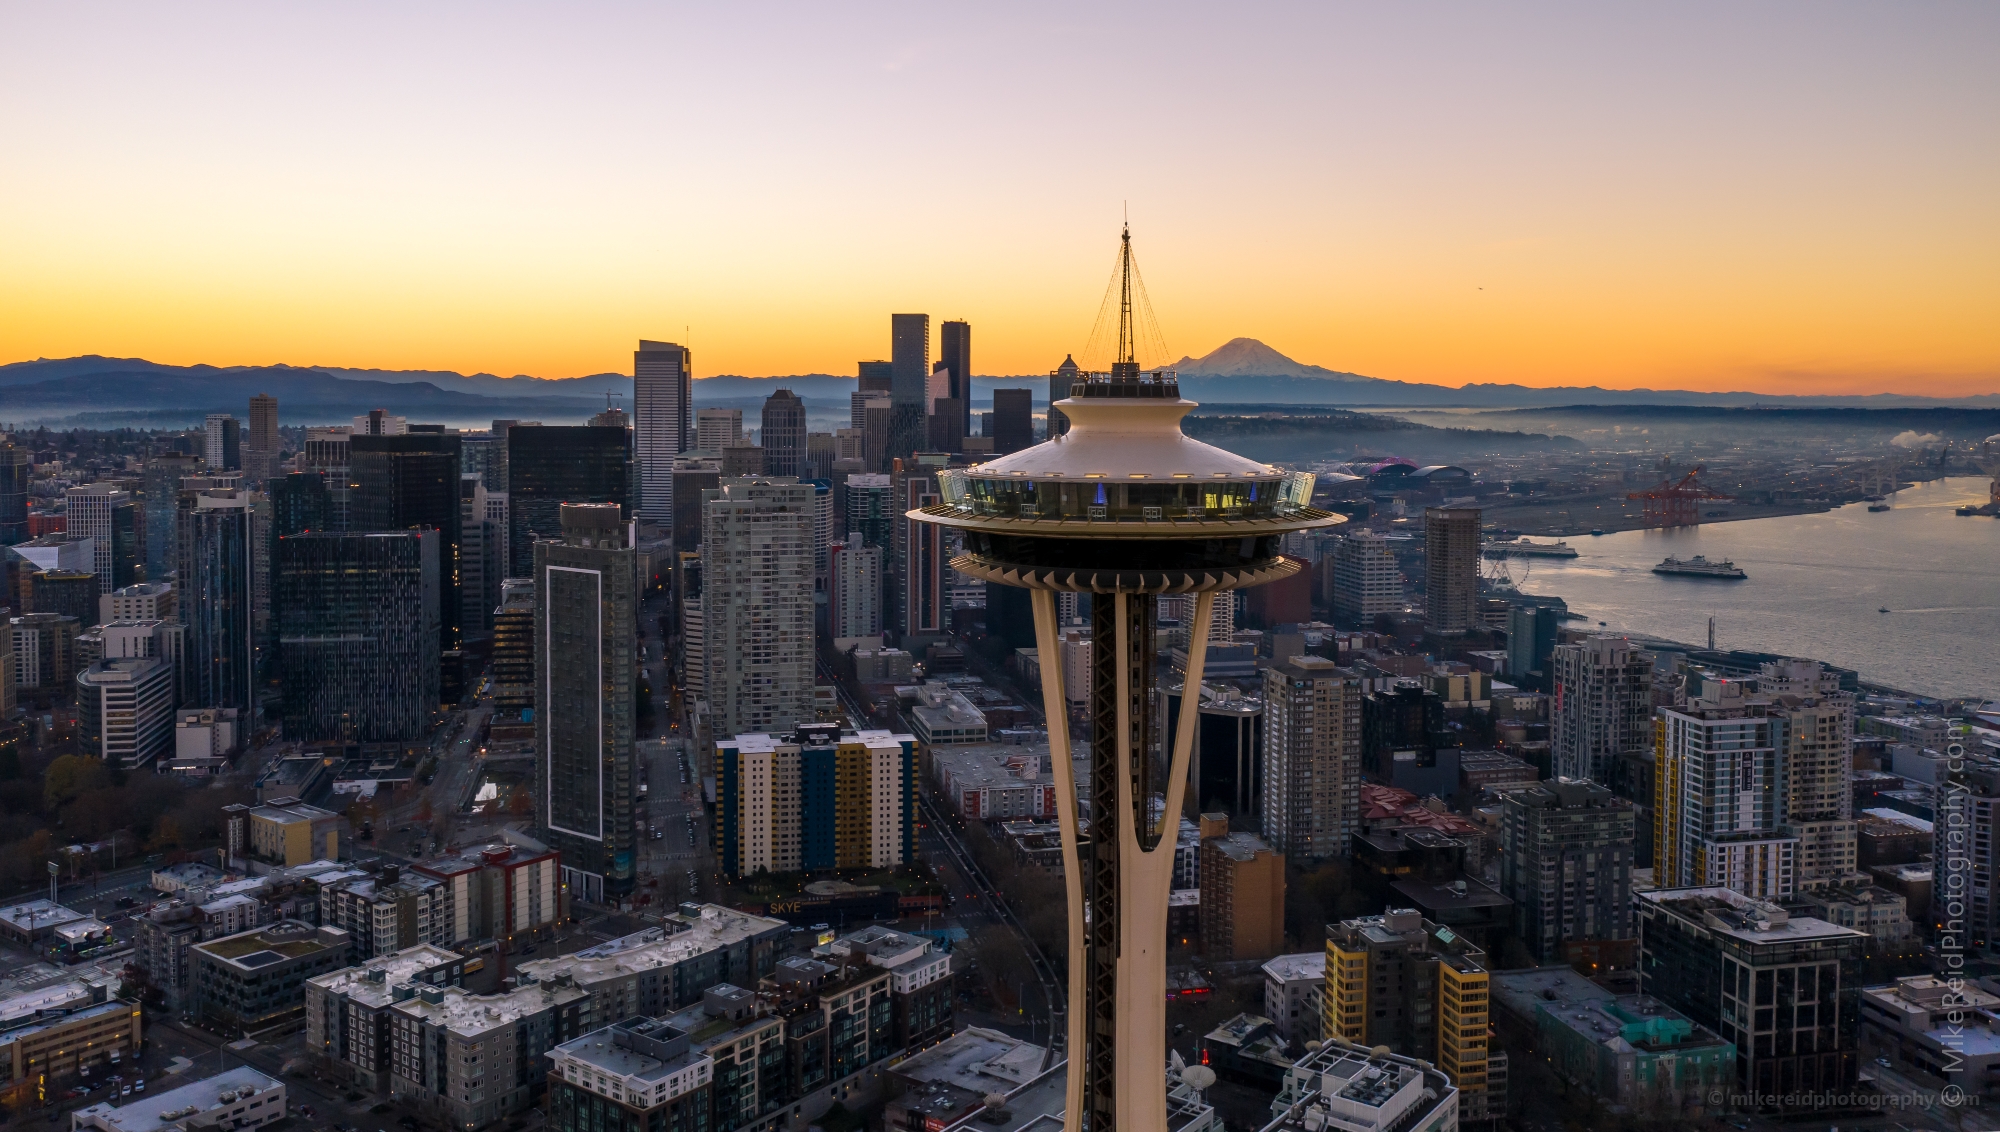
(1676, 504)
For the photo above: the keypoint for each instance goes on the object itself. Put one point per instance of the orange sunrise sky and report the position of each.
(1791, 198)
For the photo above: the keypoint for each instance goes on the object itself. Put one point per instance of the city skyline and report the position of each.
(1774, 201)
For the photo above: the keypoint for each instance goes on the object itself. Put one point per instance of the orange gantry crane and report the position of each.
(1676, 504)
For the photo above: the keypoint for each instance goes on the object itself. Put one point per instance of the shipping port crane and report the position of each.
(1677, 504)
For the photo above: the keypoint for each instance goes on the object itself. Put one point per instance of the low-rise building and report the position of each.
(996, 782)
(1294, 995)
(1632, 1051)
(204, 740)
(1949, 1031)
(666, 968)
(255, 980)
(52, 1033)
(1870, 908)
(290, 833)
(235, 1099)
(952, 1079)
(1248, 1050)
(468, 1060)
(641, 1073)
(347, 1011)
(1336, 1088)
(919, 981)
(184, 876)
(504, 891)
(388, 912)
(33, 921)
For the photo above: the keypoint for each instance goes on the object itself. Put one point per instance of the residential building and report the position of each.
(1242, 893)
(586, 656)
(44, 654)
(501, 892)
(951, 1080)
(1602, 706)
(235, 1098)
(109, 517)
(125, 710)
(920, 991)
(513, 665)
(411, 482)
(1295, 996)
(640, 1073)
(159, 495)
(388, 911)
(870, 508)
(217, 584)
(1340, 1089)
(693, 474)
(814, 800)
(1451, 569)
(548, 466)
(1783, 989)
(1400, 981)
(854, 588)
(1717, 809)
(667, 968)
(1312, 757)
(1567, 865)
(944, 717)
(348, 1011)
(224, 447)
(467, 1060)
(1629, 1050)
(255, 980)
(1812, 728)
(757, 604)
(357, 630)
(662, 422)
(996, 782)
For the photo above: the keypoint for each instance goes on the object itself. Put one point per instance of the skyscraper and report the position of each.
(784, 435)
(1366, 579)
(216, 579)
(1602, 705)
(1813, 729)
(854, 589)
(224, 447)
(585, 659)
(109, 517)
(300, 502)
(357, 628)
(410, 482)
(813, 799)
(662, 422)
(15, 467)
(1717, 811)
(550, 465)
(1059, 383)
(869, 508)
(1312, 757)
(757, 603)
(877, 376)
(1532, 632)
(909, 351)
(692, 476)
(955, 346)
(1451, 569)
(1013, 420)
(260, 451)
(1100, 522)
(1566, 863)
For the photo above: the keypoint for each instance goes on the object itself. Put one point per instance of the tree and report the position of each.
(70, 776)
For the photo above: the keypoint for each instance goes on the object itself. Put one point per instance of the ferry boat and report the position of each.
(1700, 567)
(1522, 548)
(1878, 506)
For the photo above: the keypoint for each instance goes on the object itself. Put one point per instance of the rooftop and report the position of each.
(468, 1015)
(273, 943)
(976, 1059)
(1620, 1023)
(147, 1114)
(38, 915)
(715, 927)
(645, 1050)
(1291, 968)
(1753, 921)
(289, 812)
(374, 983)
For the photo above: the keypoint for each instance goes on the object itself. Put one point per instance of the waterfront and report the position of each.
(1816, 586)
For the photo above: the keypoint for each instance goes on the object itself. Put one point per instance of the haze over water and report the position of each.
(1816, 587)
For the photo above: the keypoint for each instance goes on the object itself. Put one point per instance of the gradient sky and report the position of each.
(1782, 197)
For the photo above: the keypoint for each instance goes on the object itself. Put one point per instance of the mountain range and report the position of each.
(106, 392)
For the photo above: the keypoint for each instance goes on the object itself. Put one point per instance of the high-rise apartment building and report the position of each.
(1813, 729)
(260, 448)
(784, 434)
(923, 602)
(1451, 569)
(1242, 893)
(15, 468)
(955, 344)
(550, 465)
(1717, 798)
(1784, 989)
(1601, 706)
(110, 518)
(1966, 848)
(224, 443)
(160, 489)
(854, 588)
(1532, 633)
(1566, 863)
(356, 618)
(716, 429)
(585, 662)
(1400, 981)
(662, 422)
(407, 482)
(692, 475)
(1064, 376)
(216, 576)
(1366, 580)
(909, 352)
(814, 799)
(757, 599)
(1013, 420)
(1312, 758)
(870, 508)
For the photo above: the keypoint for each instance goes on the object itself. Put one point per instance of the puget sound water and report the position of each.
(1816, 588)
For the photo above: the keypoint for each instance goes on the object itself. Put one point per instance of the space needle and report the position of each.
(1126, 508)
